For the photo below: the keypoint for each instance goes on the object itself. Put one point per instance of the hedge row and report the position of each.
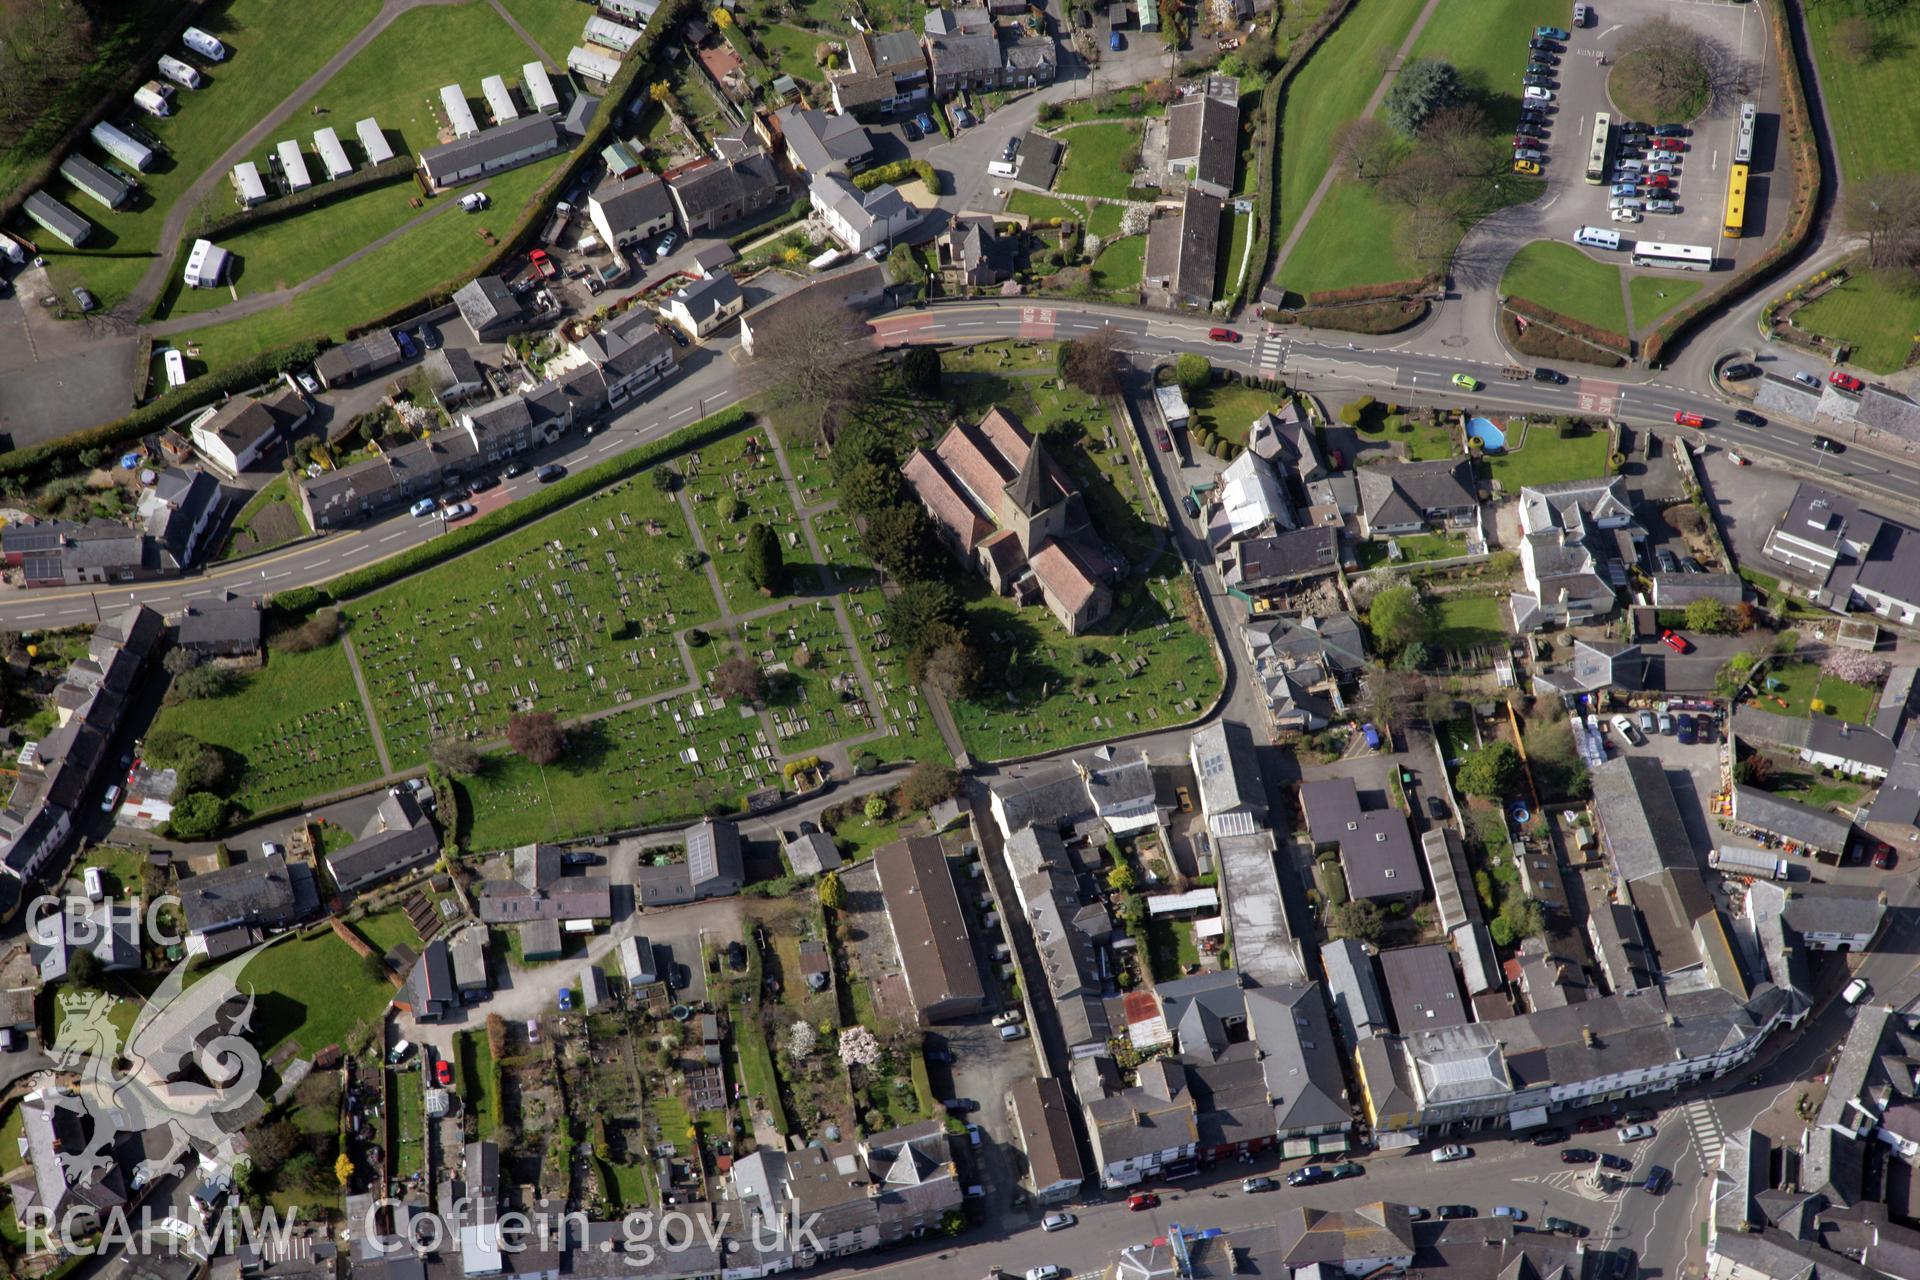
(897, 172)
(796, 212)
(1374, 318)
(1593, 334)
(39, 463)
(1370, 292)
(291, 604)
(1266, 198)
(1809, 180)
(1551, 344)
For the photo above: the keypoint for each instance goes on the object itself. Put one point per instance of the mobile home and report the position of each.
(63, 222)
(247, 187)
(121, 146)
(293, 166)
(610, 34)
(634, 12)
(181, 73)
(154, 98)
(460, 121)
(176, 366)
(539, 88)
(109, 189)
(332, 154)
(592, 65)
(12, 250)
(373, 141)
(203, 44)
(206, 265)
(499, 100)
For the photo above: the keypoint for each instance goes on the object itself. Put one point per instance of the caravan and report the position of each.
(154, 98)
(208, 47)
(187, 77)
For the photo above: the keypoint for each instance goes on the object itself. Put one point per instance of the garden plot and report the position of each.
(816, 695)
(574, 613)
(734, 485)
(899, 707)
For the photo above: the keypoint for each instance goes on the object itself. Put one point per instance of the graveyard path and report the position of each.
(366, 705)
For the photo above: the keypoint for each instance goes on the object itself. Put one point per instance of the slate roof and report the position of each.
(1678, 590)
(1205, 131)
(265, 891)
(936, 947)
(1253, 563)
(744, 180)
(1196, 273)
(1640, 825)
(1790, 820)
(823, 142)
(1398, 493)
(486, 303)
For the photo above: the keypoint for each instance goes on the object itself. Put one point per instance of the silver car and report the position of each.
(1623, 202)
(1636, 1133)
(1660, 206)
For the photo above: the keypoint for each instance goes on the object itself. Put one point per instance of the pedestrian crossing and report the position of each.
(1269, 357)
(1704, 1125)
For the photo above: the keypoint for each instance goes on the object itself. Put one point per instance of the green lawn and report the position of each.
(1414, 548)
(476, 1080)
(1425, 442)
(1105, 220)
(1466, 621)
(1871, 109)
(1354, 239)
(409, 1113)
(1802, 683)
(1654, 296)
(1876, 313)
(1539, 456)
(1236, 228)
(1096, 163)
(1229, 408)
(1486, 41)
(297, 724)
(754, 1066)
(556, 24)
(1333, 89)
(1565, 279)
(122, 868)
(270, 518)
(388, 929)
(1119, 265)
(1051, 691)
(312, 991)
(1041, 207)
(1818, 791)
(271, 48)
(791, 50)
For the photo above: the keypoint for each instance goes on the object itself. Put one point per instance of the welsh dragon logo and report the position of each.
(189, 1071)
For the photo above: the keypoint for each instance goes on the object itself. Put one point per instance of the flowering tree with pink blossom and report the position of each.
(859, 1047)
(1855, 667)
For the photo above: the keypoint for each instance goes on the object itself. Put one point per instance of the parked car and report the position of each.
(429, 337)
(1660, 206)
(1578, 1155)
(1536, 94)
(1508, 1211)
(1692, 564)
(1593, 1124)
(424, 507)
(1550, 33)
(549, 473)
(1140, 1201)
(1527, 168)
(1528, 140)
(1582, 15)
(1566, 1227)
(1045, 1271)
(112, 798)
(1610, 1161)
(1624, 189)
(1553, 1135)
(460, 511)
(1683, 727)
(1114, 42)
(1307, 1176)
(405, 340)
(1251, 1185)
(1345, 1169)
(308, 383)
(1529, 153)
(1163, 440)
(443, 1073)
(1012, 1031)
(1635, 1132)
(1448, 1212)
(1856, 991)
(1057, 1221)
(1623, 202)
(1645, 721)
(566, 999)
(86, 299)
(1188, 505)
(1451, 1152)
(1537, 81)
(1658, 154)
(1846, 381)
(666, 243)
(513, 469)
(1666, 560)
(1658, 181)
(1011, 1015)
(1675, 641)
(1624, 215)
(1666, 726)
(960, 1106)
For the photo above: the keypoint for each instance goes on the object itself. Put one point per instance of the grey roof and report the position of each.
(1864, 748)
(1422, 988)
(1784, 395)
(1884, 409)
(110, 189)
(397, 838)
(811, 851)
(1376, 846)
(640, 201)
(1299, 1058)
(713, 853)
(1334, 641)
(1753, 723)
(1898, 801)
(1678, 590)
(1354, 989)
(705, 299)
(930, 929)
(1398, 493)
(265, 891)
(220, 624)
(486, 304)
(1640, 825)
(1790, 820)
(1228, 775)
(1896, 702)
(1049, 795)
(1205, 130)
(1198, 266)
(743, 180)
(1263, 943)
(1776, 1255)
(497, 143)
(1453, 893)
(57, 218)
(1253, 563)
(823, 142)
(963, 54)
(1834, 909)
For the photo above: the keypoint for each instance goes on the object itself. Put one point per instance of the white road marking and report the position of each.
(390, 537)
(25, 616)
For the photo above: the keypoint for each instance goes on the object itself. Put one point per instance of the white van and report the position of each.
(398, 1054)
(1001, 169)
(1856, 991)
(95, 884)
(1597, 238)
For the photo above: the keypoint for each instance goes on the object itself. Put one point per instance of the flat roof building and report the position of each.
(460, 121)
(930, 929)
(538, 86)
(109, 189)
(373, 141)
(499, 99)
(498, 149)
(57, 218)
(1422, 988)
(332, 155)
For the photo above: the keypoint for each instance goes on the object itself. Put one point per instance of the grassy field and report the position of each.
(386, 930)
(271, 49)
(1228, 409)
(1487, 41)
(556, 24)
(312, 991)
(1333, 89)
(1096, 163)
(1871, 109)
(526, 620)
(1875, 313)
(1654, 296)
(1540, 456)
(270, 518)
(297, 723)
(1802, 683)
(791, 50)
(1353, 239)
(1039, 207)
(1120, 263)
(1567, 280)
(1469, 621)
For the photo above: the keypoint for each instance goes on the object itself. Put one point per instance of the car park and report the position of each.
(1635, 1132)
(1675, 641)
(1057, 1221)
(1846, 381)
(1451, 1152)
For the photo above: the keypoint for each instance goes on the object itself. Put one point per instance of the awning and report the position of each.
(1531, 1118)
(1211, 927)
(1320, 1144)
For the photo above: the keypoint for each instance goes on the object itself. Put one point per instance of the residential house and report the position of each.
(1576, 542)
(233, 435)
(538, 894)
(1412, 497)
(625, 213)
(237, 906)
(430, 993)
(1678, 590)
(703, 306)
(726, 191)
(1042, 1129)
(629, 352)
(490, 151)
(108, 930)
(490, 308)
(56, 553)
(1123, 792)
(1005, 508)
(715, 867)
(1139, 1131)
(396, 839)
(818, 143)
(415, 469)
(1250, 501)
(855, 287)
(176, 511)
(1366, 1240)
(930, 929)
(1052, 795)
(1203, 137)
(967, 59)
(1859, 560)
(55, 1185)
(861, 220)
(1285, 438)
(885, 72)
(1354, 990)
(351, 362)
(971, 254)
(220, 630)
(1299, 665)
(454, 375)
(1070, 933)
(891, 1187)
(1259, 566)
(1232, 799)
(1375, 846)
(1183, 251)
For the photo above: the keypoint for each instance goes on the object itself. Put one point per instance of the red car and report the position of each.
(1658, 180)
(1145, 1200)
(1846, 381)
(1222, 335)
(1685, 419)
(1161, 438)
(1593, 1124)
(1668, 144)
(1522, 140)
(1883, 856)
(1675, 641)
(443, 1072)
(1336, 459)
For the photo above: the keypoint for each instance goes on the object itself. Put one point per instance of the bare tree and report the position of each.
(1423, 180)
(1885, 209)
(1094, 363)
(1854, 38)
(1674, 70)
(1461, 133)
(816, 348)
(1366, 147)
